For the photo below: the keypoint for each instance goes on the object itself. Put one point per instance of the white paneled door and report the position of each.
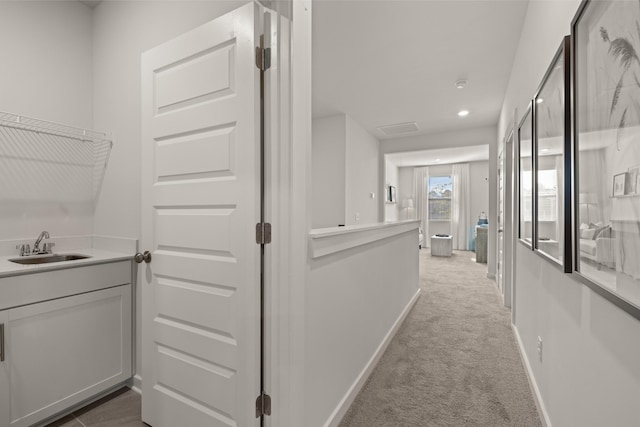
(200, 206)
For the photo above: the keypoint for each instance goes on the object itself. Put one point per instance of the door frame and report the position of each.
(510, 214)
(288, 197)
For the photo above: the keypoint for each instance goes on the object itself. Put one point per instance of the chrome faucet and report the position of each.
(36, 245)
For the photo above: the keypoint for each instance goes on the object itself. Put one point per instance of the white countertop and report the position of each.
(97, 256)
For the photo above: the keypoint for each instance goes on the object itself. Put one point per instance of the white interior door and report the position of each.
(200, 205)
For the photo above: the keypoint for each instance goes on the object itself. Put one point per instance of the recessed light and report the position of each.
(460, 84)
(436, 160)
(544, 150)
(463, 113)
(539, 101)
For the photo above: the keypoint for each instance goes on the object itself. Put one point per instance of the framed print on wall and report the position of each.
(391, 194)
(525, 178)
(634, 179)
(552, 114)
(619, 184)
(606, 88)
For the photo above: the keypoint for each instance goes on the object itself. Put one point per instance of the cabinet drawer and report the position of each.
(26, 289)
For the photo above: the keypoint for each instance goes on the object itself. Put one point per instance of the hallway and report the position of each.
(453, 362)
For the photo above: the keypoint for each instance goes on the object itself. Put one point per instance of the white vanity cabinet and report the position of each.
(64, 350)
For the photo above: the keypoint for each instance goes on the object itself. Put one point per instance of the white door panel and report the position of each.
(208, 154)
(211, 71)
(200, 196)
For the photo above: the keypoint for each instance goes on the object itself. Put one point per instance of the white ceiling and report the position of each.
(392, 61)
(440, 156)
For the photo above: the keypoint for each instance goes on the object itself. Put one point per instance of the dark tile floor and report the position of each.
(119, 409)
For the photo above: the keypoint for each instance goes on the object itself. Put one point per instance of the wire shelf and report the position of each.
(42, 159)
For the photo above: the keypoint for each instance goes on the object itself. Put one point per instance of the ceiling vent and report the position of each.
(399, 128)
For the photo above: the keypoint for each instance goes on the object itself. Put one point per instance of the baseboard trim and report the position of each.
(542, 411)
(349, 397)
(491, 276)
(137, 384)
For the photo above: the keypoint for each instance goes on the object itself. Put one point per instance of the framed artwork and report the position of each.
(391, 194)
(606, 113)
(634, 174)
(525, 178)
(552, 117)
(619, 184)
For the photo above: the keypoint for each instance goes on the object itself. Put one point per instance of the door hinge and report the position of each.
(263, 405)
(263, 233)
(263, 58)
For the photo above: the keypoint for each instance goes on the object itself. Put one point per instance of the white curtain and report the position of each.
(420, 182)
(461, 200)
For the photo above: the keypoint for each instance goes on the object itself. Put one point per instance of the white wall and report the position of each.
(405, 190)
(328, 168)
(362, 175)
(391, 210)
(122, 31)
(345, 173)
(589, 374)
(46, 61)
(353, 299)
(46, 74)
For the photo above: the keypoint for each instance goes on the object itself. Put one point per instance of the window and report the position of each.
(547, 195)
(440, 189)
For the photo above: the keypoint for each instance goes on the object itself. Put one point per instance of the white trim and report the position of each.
(542, 411)
(331, 240)
(137, 384)
(349, 397)
(333, 231)
(288, 339)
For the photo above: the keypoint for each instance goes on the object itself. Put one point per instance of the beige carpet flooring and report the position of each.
(453, 362)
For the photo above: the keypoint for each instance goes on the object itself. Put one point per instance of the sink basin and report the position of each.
(45, 259)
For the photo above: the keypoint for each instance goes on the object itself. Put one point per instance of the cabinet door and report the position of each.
(4, 372)
(66, 350)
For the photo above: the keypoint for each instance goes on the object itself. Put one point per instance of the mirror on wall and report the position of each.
(552, 150)
(607, 113)
(525, 179)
